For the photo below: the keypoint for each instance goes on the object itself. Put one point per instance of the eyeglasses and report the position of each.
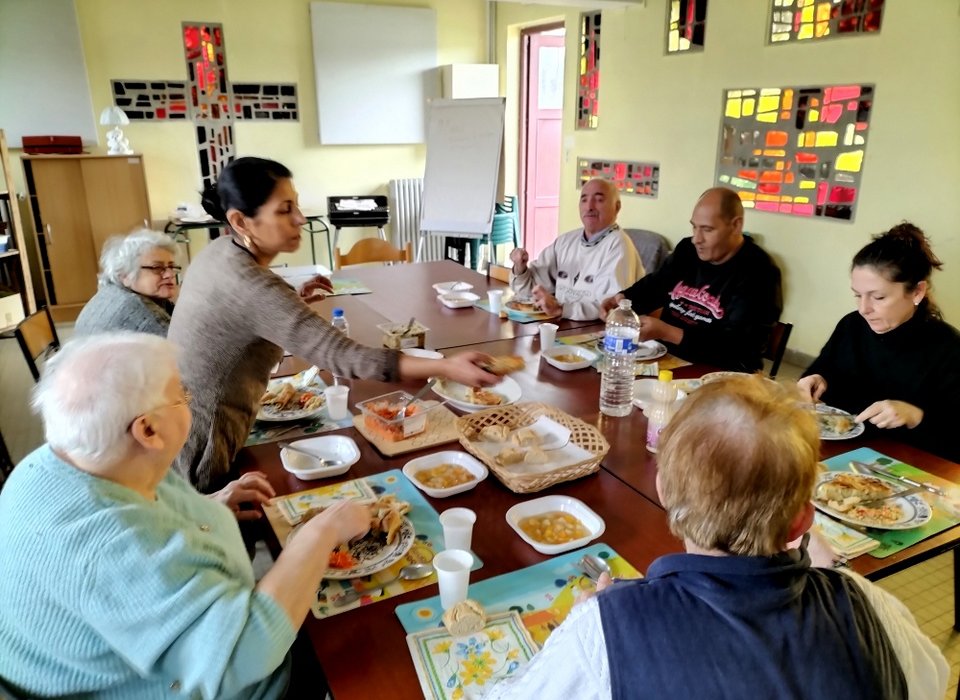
(184, 401)
(162, 269)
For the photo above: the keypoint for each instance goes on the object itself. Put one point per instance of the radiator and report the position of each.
(405, 200)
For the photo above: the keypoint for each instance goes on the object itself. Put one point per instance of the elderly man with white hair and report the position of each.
(138, 286)
(119, 579)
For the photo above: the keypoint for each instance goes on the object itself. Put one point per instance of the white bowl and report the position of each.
(444, 287)
(586, 355)
(643, 392)
(462, 459)
(420, 352)
(566, 504)
(306, 468)
(458, 299)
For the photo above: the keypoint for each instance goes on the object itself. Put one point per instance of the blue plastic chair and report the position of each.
(505, 229)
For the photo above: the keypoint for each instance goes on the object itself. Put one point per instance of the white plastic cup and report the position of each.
(453, 575)
(336, 397)
(548, 334)
(457, 528)
(495, 296)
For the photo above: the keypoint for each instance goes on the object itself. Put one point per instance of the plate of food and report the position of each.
(522, 305)
(836, 424)
(555, 524)
(443, 474)
(869, 501)
(474, 399)
(291, 398)
(569, 357)
(390, 537)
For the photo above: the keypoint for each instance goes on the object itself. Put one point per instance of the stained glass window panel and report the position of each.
(801, 153)
(686, 25)
(804, 20)
(629, 177)
(588, 86)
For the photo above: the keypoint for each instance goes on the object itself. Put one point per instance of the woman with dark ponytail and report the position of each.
(894, 361)
(234, 315)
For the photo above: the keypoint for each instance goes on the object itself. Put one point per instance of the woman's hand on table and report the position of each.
(252, 488)
(315, 289)
(891, 414)
(609, 304)
(546, 302)
(812, 387)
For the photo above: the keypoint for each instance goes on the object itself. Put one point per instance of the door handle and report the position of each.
(49, 235)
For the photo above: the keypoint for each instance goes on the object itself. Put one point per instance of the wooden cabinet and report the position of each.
(78, 202)
(16, 285)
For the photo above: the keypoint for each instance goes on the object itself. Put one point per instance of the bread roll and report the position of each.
(525, 438)
(494, 433)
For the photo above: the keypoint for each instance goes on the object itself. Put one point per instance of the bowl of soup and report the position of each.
(570, 357)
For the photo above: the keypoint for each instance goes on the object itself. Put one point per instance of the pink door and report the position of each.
(541, 166)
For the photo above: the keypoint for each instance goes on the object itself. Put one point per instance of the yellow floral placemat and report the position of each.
(451, 668)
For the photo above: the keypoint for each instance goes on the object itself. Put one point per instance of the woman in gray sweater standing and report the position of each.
(234, 316)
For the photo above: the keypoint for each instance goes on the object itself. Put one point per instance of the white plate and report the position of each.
(643, 392)
(313, 385)
(456, 394)
(825, 434)
(305, 468)
(458, 299)
(551, 434)
(566, 504)
(646, 349)
(444, 287)
(420, 352)
(462, 459)
(371, 555)
(916, 511)
(586, 355)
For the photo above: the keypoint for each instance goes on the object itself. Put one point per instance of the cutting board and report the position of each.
(441, 429)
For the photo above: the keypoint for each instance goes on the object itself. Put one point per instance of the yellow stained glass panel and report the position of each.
(757, 152)
(673, 41)
(748, 104)
(747, 196)
(769, 103)
(801, 200)
(806, 32)
(808, 185)
(786, 198)
(768, 198)
(850, 162)
(775, 152)
(770, 91)
(823, 28)
(827, 138)
(733, 109)
(809, 138)
(800, 140)
(813, 115)
(778, 165)
(823, 12)
(787, 99)
(768, 117)
(806, 14)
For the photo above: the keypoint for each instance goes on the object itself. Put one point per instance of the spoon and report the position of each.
(419, 395)
(324, 462)
(409, 327)
(411, 572)
(593, 566)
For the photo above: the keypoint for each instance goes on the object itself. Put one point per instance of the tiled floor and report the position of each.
(927, 588)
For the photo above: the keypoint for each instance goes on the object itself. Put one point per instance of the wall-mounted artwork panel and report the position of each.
(629, 176)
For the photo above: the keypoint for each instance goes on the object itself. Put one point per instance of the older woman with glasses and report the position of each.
(138, 286)
(119, 580)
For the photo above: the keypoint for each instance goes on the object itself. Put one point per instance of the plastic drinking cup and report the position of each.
(495, 296)
(548, 334)
(457, 528)
(336, 397)
(453, 575)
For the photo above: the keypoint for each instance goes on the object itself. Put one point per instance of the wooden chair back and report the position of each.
(368, 250)
(37, 336)
(777, 345)
(6, 466)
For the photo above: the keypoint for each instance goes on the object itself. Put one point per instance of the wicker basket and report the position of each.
(522, 414)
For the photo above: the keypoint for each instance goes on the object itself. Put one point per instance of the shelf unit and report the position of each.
(14, 264)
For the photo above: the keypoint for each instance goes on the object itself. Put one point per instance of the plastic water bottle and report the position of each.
(620, 350)
(339, 321)
(658, 414)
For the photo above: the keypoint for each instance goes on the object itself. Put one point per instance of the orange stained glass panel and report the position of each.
(787, 102)
(771, 176)
(784, 115)
(861, 126)
(768, 198)
(788, 178)
(775, 152)
(778, 165)
(806, 157)
(776, 138)
(747, 174)
(757, 152)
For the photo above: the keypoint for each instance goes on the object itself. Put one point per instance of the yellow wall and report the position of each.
(265, 41)
(667, 109)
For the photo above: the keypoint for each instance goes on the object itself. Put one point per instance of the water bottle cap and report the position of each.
(665, 375)
(337, 312)
(625, 304)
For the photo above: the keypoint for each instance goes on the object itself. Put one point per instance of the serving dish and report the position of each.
(338, 448)
(565, 504)
(461, 459)
(586, 355)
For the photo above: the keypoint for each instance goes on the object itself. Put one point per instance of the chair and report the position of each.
(37, 337)
(6, 466)
(504, 229)
(652, 247)
(499, 272)
(777, 345)
(368, 250)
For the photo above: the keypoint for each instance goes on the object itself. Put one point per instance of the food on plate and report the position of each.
(444, 476)
(504, 364)
(340, 558)
(494, 433)
(553, 527)
(525, 438)
(466, 617)
(883, 514)
(845, 486)
(286, 397)
(535, 455)
(835, 424)
(524, 305)
(483, 397)
(568, 358)
(386, 516)
(510, 455)
(381, 417)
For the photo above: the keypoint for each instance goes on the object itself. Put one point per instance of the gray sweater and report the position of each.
(231, 321)
(116, 308)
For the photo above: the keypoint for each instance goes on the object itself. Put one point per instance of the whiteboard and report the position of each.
(464, 138)
(43, 77)
(375, 68)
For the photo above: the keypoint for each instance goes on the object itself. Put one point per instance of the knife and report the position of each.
(873, 502)
(877, 469)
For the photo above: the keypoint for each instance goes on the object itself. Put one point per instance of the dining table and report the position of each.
(363, 651)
